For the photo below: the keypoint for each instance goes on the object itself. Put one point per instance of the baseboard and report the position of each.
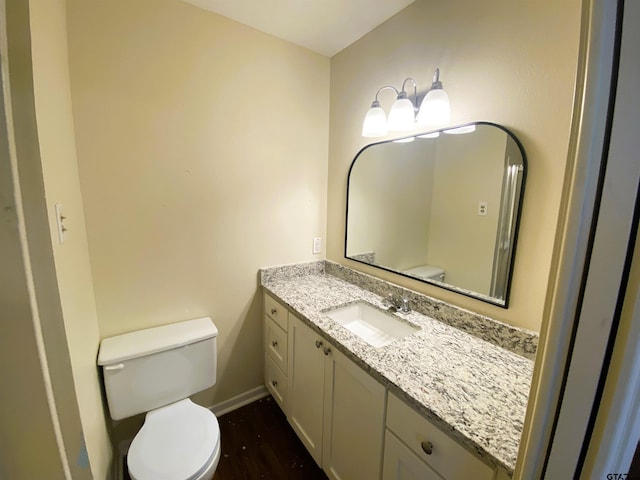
(239, 400)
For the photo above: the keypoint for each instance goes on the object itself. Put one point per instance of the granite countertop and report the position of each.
(471, 388)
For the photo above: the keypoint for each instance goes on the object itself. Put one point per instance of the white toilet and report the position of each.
(155, 371)
(427, 272)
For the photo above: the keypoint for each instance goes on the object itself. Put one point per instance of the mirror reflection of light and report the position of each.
(405, 140)
(430, 135)
(461, 130)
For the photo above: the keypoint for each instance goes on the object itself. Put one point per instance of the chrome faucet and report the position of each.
(395, 302)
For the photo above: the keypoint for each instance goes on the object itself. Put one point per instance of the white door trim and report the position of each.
(617, 425)
(570, 260)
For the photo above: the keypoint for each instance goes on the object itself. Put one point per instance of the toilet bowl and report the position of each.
(155, 371)
(179, 441)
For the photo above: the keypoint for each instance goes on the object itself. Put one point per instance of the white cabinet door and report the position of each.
(306, 385)
(400, 463)
(353, 420)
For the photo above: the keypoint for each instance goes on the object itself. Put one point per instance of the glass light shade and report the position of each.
(402, 116)
(375, 123)
(435, 109)
(461, 130)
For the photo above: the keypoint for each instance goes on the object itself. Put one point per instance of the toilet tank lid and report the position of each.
(424, 270)
(153, 340)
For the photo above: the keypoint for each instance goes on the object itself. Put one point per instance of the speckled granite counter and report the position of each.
(469, 387)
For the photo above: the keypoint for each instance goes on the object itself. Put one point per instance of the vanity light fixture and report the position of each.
(404, 114)
(435, 109)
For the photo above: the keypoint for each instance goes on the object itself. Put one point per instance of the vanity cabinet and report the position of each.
(352, 427)
(336, 408)
(276, 350)
(415, 448)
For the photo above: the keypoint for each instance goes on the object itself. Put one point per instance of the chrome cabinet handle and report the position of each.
(273, 311)
(318, 343)
(274, 383)
(427, 447)
(327, 350)
(274, 343)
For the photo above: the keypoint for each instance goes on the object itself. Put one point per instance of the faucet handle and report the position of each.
(404, 308)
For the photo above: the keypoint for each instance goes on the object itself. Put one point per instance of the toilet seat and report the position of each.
(178, 441)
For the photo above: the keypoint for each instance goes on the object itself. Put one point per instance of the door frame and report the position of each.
(590, 265)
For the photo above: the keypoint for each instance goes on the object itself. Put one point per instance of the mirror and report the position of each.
(442, 208)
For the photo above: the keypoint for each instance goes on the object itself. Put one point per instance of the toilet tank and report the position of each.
(151, 368)
(426, 272)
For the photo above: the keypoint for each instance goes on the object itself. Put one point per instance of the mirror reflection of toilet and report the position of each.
(426, 272)
(155, 371)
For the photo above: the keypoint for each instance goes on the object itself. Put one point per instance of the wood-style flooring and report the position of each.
(259, 443)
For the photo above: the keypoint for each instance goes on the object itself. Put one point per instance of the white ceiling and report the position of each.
(324, 26)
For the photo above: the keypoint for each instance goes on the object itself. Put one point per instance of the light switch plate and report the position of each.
(317, 245)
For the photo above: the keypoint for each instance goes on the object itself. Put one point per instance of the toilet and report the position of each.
(155, 371)
(426, 272)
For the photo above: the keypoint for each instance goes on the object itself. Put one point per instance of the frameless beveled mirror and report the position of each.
(442, 208)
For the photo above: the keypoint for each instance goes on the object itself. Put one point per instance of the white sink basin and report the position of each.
(374, 326)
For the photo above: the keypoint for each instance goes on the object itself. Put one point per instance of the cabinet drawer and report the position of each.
(276, 382)
(276, 311)
(446, 456)
(275, 343)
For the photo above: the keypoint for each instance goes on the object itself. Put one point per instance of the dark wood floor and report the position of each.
(257, 443)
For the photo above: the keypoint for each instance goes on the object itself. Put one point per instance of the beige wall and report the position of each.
(202, 150)
(60, 169)
(511, 63)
